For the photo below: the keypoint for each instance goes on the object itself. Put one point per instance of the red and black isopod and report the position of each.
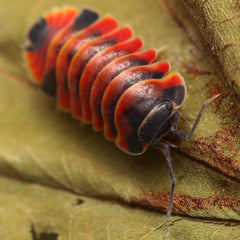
(97, 72)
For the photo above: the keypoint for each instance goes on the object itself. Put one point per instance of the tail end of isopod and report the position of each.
(39, 37)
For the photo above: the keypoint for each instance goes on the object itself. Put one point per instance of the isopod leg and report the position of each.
(166, 151)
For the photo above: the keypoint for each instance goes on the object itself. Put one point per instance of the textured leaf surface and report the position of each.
(33, 216)
(40, 145)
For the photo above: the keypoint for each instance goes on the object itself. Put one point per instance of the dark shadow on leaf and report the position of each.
(79, 201)
(43, 235)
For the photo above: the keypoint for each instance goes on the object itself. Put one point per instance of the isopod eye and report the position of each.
(156, 122)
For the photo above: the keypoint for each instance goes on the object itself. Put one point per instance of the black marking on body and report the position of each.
(85, 19)
(58, 48)
(157, 74)
(112, 117)
(37, 35)
(175, 94)
(49, 84)
(71, 55)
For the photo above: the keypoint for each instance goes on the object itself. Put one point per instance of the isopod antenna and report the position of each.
(174, 129)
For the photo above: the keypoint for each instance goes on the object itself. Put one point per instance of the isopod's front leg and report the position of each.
(166, 151)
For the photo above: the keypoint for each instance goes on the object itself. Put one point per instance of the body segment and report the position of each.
(68, 50)
(82, 21)
(40, 36)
